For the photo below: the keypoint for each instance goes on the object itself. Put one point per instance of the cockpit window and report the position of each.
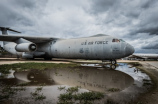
(121, 40)
(115, 40)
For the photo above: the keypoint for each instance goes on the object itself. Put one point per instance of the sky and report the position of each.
(134, 21)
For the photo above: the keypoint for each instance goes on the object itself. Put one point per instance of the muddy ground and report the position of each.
(152, 96)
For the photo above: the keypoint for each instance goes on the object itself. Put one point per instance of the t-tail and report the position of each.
(4, 32)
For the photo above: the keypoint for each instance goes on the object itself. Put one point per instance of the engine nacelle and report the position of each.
(26, 47)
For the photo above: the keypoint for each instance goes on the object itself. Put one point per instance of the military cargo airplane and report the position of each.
(97, 47)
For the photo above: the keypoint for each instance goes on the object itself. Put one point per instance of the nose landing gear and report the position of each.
(113, 62)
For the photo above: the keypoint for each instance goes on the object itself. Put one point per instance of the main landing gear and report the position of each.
(113, 62)
(47, 58)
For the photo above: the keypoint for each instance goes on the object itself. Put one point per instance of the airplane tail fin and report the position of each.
(4, 32)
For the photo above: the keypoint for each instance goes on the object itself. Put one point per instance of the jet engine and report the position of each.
(26, 47)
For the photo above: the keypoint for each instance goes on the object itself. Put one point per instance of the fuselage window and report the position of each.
(121, 40)
(115, 40)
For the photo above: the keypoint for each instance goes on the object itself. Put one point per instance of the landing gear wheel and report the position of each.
(47, 58)
(30, 58)
(113, 67)
(113, 62)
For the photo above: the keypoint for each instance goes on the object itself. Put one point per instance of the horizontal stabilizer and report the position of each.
(7, 28)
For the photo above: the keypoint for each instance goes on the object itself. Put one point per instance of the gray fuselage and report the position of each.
(93, 48)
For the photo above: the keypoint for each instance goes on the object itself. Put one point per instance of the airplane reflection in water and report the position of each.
(91, 77)
(88, 78)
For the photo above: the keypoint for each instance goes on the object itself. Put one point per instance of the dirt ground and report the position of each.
(54, 60)
(152, 96)
(15, 60)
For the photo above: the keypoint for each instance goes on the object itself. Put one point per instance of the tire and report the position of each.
(30, 58)
(47, 58)
(113, 67)
(113, 62)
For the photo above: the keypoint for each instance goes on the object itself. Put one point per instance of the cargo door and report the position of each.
(107, 49)
(87, 53)
(116, 48)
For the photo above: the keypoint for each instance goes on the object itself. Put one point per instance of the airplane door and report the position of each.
(116, 49)
(107, 49)
(87, 53)
(53, 50)
(50, 49)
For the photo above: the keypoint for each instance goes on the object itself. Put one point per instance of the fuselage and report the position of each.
(97, 47)
(93, 48)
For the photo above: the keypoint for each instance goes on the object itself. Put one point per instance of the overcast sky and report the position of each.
(135, 21)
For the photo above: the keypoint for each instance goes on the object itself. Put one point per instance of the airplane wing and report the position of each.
(13, 38)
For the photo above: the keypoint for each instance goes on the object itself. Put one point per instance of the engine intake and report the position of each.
(26, 47)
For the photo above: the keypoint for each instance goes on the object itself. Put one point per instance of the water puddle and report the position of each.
(118, 83)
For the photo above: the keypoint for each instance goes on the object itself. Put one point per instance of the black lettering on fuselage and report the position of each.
(83, 43)
(90, 43)
(96, 42)
(101, 42)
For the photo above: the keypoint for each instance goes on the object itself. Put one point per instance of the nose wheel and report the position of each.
(113, 62)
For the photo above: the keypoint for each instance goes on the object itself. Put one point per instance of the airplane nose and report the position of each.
(129, 50)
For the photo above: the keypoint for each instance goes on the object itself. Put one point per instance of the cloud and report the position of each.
(18, 14)
(151, 46)
(136, 16)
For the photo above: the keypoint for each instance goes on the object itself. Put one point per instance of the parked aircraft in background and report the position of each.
(97, 47)
(143, 56)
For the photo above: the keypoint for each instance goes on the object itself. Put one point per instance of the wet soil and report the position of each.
(152, 96)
